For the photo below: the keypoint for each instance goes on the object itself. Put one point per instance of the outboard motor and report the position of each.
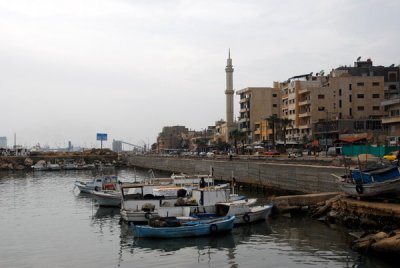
(181, 193)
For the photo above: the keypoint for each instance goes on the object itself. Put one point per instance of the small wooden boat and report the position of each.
(174, 228)
(375, 180)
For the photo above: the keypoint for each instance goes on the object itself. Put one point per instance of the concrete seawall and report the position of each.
(305, 178)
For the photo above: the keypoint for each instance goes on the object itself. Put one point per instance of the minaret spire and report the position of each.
(229, 90)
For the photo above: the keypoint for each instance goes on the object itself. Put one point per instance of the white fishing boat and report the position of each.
(98, 184)
(53, 167)
(243, 212)
(139, 203)
(40, 166)
(108, 198)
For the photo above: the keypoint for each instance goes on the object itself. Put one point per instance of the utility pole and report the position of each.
(326, 133)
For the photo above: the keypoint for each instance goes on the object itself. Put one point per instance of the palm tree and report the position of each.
(272, 121)
(236, 135)
(285, 123)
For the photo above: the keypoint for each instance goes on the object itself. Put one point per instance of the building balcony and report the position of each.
(284, 107)
(304, 91)
(390, 102)
(244, 100)
(242, 110)
(306, 126)
(305, 102)
(391, 120)
(285, 96)
(245, 129)
(257, 132)
(244, 119)
(305, 114)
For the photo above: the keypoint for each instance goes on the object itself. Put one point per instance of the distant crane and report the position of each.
(142, 148)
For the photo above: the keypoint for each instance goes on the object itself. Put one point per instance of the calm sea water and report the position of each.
(45, 222)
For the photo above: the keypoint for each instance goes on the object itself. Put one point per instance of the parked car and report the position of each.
(391, 156)
(272, 152)
(202, 154)
(210, 154)
(295, 153)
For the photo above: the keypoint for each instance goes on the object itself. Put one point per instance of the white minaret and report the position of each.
(229, 90)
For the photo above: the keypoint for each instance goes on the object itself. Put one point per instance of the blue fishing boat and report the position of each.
(174, 228)
(375, 180)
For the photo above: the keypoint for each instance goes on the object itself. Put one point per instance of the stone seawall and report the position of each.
(305, 178)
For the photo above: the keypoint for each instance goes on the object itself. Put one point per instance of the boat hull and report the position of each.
(259, 213)
(137, 216)
(372, 189)
(198, 228)
(108, 199)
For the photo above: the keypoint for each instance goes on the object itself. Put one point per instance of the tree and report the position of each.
(201, 143)
(236, 135)
(285, 123)
(272, 121)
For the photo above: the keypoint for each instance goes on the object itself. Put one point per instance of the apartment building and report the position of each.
(346, 93)
(256, 104)
(302, 98)
(172, 137)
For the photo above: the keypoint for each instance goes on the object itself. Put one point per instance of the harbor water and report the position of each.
(45, 222)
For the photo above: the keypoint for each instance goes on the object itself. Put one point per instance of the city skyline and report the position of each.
(72, 69)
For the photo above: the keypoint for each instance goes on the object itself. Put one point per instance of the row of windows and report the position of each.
(360, 96)
(359, 108)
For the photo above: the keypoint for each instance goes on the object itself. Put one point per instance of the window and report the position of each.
(350, 98)
(274, 105)
(274, 95)
(375, 96)
(321, 108)
(349, 87)
(320, 97)
(351, 112)
(394, 112)
(375, 84)
(392, 77)
(340, 103)
(360, 84)
(375, 108)
(392, 87)
(360, 96)
(360, 108)
(340, 92)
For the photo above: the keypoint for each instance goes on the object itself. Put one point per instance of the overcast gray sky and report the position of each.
(70, 69)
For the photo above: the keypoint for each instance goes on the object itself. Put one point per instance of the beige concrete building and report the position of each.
(392, 121)
(256, 104)
(311, 99)
(172, 137)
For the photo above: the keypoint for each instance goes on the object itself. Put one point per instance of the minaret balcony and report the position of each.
(244, 119)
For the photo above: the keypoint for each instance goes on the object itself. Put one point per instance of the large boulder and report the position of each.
(28, 162)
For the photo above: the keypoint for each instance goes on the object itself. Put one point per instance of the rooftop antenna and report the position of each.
(359, 58)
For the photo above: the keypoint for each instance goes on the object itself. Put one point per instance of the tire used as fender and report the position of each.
(213, 228)
(148, 215)
(246, 218)
(359, 188)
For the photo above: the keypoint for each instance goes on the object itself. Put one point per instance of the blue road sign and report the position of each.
(101, 136)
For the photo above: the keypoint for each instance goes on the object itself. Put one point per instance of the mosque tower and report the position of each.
(229, 90)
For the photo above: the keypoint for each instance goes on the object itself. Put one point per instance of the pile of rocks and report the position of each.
(7, 163)
(379, 242)
(380, 219)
